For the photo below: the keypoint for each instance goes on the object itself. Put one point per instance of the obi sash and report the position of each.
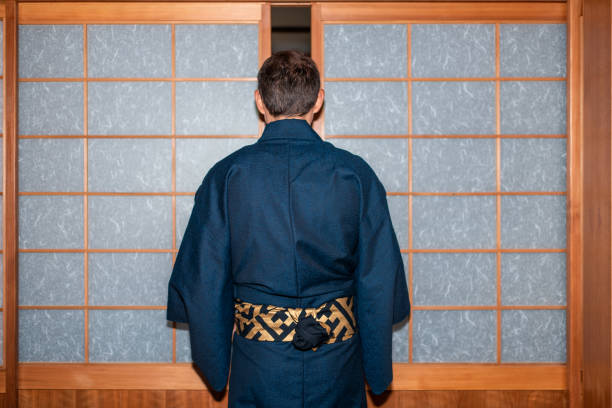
(306, 328)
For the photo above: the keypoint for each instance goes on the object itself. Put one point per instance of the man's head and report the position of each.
(288, 86)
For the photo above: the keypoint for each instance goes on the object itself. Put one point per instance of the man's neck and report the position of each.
(307, 118)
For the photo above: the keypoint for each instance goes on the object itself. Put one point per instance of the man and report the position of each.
(291, 238)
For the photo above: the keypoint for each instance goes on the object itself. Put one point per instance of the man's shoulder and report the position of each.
(236, 156)
(341, 158)
(222, 166)
(359, 165)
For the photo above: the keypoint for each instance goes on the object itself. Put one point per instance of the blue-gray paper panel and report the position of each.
(1, 92)
(454, 336)
(533, 221)
(219, 108)
(1, 220)
(50, 164)
(51, 335)
(532, 50)
(532, 107)
(453, 107)
(194, 157)
(120, 278)
(134, 108)
(387, 157)
(362, 108)
(398, 209)
(400, 340)
(533, 164)
(184, 206)
(453, 165)
(216, 50)
(1, 56)
(129, 50)
(454, 279)
(1, 338)
(50, 50)
(129, 335)
(452, 50)
(533, 336)
(130, 222)
(51, 278)
(183, 345)
(1, 282)
(50, 221)
(453, 222)
(130, 165)
(532, 278)
(50, 108)
(365, 50)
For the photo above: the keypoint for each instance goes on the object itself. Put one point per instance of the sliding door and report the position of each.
(462, 112)
(462, 109)
(122, 109)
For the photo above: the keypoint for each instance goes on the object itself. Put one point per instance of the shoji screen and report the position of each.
(119, 120)
(2, 307)
(462, 114)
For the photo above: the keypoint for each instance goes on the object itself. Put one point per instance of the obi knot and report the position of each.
(309, 333)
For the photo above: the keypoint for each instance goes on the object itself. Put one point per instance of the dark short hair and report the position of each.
(288, 82)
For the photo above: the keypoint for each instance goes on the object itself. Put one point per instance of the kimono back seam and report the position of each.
(290, 220)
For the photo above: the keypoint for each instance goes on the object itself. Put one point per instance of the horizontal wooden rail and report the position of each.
(182, 376)
(444, 11)
(137, 12)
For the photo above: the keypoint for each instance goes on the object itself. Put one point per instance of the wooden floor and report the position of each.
(203, 399)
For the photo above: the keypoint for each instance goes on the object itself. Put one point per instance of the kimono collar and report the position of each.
(293, 129)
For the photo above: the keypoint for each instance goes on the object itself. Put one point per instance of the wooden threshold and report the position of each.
(182, 376)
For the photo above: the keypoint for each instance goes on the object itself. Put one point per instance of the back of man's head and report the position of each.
(288, 82)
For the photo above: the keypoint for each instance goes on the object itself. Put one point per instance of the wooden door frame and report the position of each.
(181, 375)
(504, 376)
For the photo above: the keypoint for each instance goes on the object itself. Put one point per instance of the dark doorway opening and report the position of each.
(291, 28)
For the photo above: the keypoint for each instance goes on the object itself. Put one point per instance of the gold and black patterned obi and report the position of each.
(306, 328)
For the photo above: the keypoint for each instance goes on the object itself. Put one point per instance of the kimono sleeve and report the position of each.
(380, 281)
(200, 290)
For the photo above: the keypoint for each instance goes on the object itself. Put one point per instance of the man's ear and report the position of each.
(259, 102)
(320, 98)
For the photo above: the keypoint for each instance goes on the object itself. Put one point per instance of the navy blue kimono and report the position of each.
(290, 220)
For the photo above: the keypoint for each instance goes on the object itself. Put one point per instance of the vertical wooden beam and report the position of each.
(173, 178)
(498, 296)
(9, 208)
(85, 201)
(574, 199)
(265, 46)
(597, 203)
(316, 53)
(410, 188)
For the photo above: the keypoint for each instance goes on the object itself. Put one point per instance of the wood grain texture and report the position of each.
(203, 399)
(597, 203)
(575, 339)
(316, 53)
(156, 382)
(9, 207)
(265, 49)
(275, 2)
(443, 11)
(183, 376)
(121, 12)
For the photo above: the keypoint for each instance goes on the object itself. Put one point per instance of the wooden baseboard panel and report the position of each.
(204, 399)
(183, 376)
